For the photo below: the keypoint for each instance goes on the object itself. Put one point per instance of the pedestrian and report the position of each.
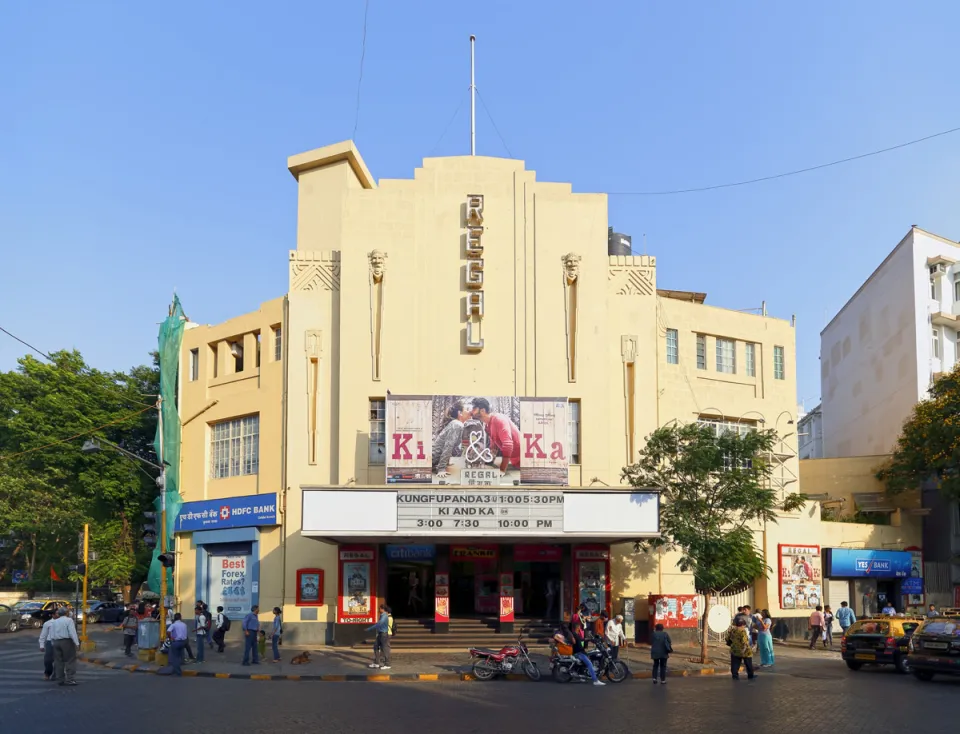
(46, 644)
(739, 615)
(577, 644)
(827, 626)
(756, 627)
(178, 642)
(277, 632)
(740, 651)
(816, 627)
(63, 633)
(845, 617)
(615, 636)
(262, 643)
(933, 612)
(765, 640)
(222, 626)
(752, 627)
(251, 626)
(889, 609)
(578, 623)
(200, 628)
(867, 602)
(129, 624)
(660, 648)
(381, 644)
(206, 613)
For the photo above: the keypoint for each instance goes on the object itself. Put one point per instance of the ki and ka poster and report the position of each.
(477, 441)
(229, 584)
(801, 576)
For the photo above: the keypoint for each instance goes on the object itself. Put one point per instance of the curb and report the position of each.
(358, 678)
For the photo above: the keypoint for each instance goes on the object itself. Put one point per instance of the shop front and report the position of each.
(874, 578)
(527, 553)
(226, 536)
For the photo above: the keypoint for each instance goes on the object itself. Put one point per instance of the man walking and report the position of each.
(251, 628)
(816, 627)
(381, 645)
(201, 630)
(178, 641)
(63, 632)
(222, 624)
(845, 617)
(129, 624)
(46, 644)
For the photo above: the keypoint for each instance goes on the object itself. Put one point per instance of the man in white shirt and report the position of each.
(46, 646)
(178, 640)
(615, 636)
(63, 633)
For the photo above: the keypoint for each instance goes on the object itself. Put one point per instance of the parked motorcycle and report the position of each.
(509, 659)
(567, 668)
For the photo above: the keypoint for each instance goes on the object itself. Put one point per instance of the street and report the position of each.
(809, 694)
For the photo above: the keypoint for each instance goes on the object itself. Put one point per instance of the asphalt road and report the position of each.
(808, 694)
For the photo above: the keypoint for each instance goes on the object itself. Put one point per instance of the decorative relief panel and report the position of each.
(314, 271)
(634, 275)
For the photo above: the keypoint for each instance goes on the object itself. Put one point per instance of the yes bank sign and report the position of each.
(231, 512)
(866, 563)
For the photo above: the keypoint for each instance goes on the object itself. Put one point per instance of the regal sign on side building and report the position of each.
(477, 441)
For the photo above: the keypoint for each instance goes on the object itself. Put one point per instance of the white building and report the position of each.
(880, 353)
(810, 435)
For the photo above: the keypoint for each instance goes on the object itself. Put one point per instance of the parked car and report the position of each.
(879, 640)
(35, 613)
(9, 619)
(103, 611)
(935, 647)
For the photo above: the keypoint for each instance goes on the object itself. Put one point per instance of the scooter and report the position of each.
(509, 659)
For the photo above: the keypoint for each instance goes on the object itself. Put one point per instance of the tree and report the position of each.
(49, 488)
(713, 490)
(929, 443)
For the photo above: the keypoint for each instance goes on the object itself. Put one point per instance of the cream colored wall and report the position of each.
(208, 400)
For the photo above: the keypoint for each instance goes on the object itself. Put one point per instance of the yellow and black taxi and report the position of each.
(935, 647)
(35, 613)
(880, 640)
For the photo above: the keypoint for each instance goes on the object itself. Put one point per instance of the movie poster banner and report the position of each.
(477, 441)
(801, 577)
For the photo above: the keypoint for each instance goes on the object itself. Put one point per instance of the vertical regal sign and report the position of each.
(474, 272)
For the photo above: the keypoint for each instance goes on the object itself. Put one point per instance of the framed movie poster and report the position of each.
(357, 601)
(310, 587)
(801, 577)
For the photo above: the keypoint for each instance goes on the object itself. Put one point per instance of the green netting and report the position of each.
(171, 335)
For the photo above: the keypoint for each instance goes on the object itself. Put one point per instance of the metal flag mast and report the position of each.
(473, 100)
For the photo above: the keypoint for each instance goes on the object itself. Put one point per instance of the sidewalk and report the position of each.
(345, 664)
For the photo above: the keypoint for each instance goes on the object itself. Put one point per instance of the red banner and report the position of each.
(441, 598)
(534, 553)
(506, 597)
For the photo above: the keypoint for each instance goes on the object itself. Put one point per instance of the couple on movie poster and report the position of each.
(473, 440)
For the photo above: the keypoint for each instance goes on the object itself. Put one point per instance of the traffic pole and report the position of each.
(86, 572)
(163, 525)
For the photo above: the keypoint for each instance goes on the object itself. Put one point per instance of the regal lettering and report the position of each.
(473, 278)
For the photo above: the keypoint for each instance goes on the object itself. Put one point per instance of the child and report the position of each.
(262, 644)
(660, 649)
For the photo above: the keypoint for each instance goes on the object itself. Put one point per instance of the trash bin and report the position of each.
(148, 634)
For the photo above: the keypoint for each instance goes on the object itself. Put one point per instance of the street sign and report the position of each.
(20, 576)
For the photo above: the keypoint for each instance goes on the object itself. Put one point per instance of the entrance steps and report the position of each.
(463, 633)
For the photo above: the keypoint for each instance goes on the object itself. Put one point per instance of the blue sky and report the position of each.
(143, 148)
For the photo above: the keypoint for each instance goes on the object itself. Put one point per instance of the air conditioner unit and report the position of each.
(236, 350)
(938, 269)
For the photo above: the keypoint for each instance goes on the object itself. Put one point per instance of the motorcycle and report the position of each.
(567, 668)
(509, 659)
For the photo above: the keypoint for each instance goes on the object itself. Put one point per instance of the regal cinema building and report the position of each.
(437, 413)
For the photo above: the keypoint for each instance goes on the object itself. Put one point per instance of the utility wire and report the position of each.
(78, 435)
(363, 53)
(785, 174)
(54, 363)
(492, 122)
(447, 128)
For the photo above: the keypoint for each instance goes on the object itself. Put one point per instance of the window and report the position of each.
(214, 354)
(935, 344)
(701, 352)
(574, 429)
(673, 350)
(378, 432)
(194, 365)
(933, 290)
(751, 359)
(727, 356)
(235, 447)
(258, 349)
(956, 288)
(277, 344)
(721, 426)
(779, 370)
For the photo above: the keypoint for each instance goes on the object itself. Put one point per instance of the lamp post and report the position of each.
(92, 446)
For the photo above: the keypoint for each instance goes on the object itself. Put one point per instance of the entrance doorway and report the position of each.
(410, 580)
(474, 588)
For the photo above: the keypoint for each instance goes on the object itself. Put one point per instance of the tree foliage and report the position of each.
(929, 443)
(712, 490)
(49, 488)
